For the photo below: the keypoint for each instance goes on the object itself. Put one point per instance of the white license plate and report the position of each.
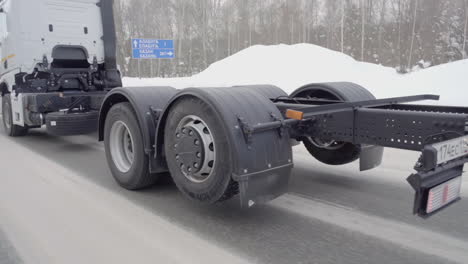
(451, 149)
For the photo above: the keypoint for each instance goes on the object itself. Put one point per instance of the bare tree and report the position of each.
(382, 24)
(413, 32)
(363, 28)
(465, 37)
(343, 3)
(391, 32)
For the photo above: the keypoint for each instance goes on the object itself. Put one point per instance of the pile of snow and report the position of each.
(292, 66)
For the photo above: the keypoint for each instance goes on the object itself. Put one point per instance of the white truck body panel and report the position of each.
(35, 27)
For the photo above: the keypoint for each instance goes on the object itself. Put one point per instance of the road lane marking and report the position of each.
(399, 233)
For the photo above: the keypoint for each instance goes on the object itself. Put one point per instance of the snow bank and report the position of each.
(291, 66)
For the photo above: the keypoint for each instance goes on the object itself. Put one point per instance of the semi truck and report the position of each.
(56, 66)
(216, 143)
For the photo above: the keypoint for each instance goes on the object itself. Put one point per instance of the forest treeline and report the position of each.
(398, 33)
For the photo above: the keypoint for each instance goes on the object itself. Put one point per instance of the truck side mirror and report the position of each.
(3, 27)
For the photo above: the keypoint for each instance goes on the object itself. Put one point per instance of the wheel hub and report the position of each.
(194, 149)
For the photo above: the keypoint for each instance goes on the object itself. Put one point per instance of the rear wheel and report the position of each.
(198, 153)
(329, 151)
(7, 116)
(125, 152)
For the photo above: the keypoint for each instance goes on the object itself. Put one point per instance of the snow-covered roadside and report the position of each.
(291, 66)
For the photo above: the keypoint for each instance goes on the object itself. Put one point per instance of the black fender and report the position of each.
(370, 156)
(270, 92)
(262, 163)
(267, 90)
(148, 103)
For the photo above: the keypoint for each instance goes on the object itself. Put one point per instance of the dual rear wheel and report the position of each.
(196, 149)
(125, 151)
(197, 152)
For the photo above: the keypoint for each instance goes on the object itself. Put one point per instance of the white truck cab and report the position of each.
(57, 63)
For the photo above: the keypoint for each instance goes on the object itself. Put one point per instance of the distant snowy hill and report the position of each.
(291, 66)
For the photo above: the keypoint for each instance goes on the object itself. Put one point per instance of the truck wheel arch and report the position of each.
(258, 182)
(142, 100)
(110, 100)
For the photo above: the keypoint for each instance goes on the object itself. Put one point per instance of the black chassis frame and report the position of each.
(385, 122)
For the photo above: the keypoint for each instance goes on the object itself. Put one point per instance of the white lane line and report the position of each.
(53, 215)
(407, 236)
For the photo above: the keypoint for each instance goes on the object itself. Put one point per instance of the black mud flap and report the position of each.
(264, 186)
(371, 157)
(438, 188)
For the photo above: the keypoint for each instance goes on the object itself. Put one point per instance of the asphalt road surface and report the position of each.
(59, 204)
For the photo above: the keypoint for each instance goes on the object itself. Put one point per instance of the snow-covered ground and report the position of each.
(291, 66)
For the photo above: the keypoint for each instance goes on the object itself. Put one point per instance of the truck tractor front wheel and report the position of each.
(7, 116)
(198, 153)
(125, 153)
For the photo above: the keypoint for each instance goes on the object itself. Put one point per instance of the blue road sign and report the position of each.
(153, 49)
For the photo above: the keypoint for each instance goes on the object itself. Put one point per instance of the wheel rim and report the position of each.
(7, 116)
(121, 146)
(195, 149)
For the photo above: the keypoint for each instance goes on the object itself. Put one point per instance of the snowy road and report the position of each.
(59, 204)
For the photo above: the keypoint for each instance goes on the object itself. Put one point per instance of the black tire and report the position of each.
(346, 92)
(7, 117)
(69, 124)
(138, 175)
(219, 185)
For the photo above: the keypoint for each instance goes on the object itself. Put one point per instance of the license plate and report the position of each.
(451, 149)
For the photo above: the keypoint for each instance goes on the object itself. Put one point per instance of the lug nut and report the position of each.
(195, 165)
(199, 154)
(197, 142)
(190, 133)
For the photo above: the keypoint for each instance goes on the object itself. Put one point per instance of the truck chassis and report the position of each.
(218, 143)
